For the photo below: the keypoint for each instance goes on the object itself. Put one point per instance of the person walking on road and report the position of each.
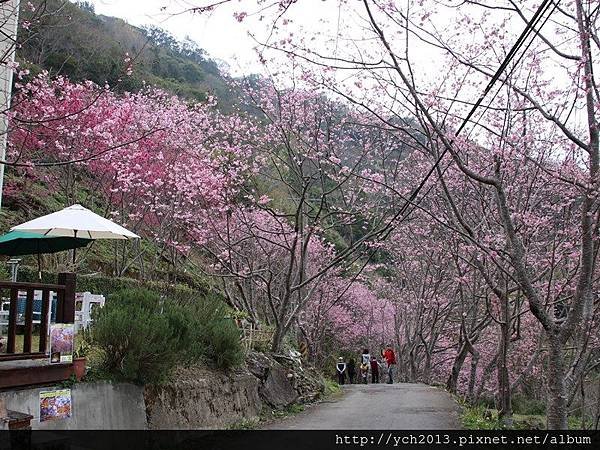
(374, 370)
(366, 357)
(341, 370)
(364, 373)
(351, 369)
(390, 359)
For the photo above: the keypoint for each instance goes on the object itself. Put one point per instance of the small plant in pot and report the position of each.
(80, 358)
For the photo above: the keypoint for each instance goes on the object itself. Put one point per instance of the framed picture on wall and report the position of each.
(55, 405)
(62, 337)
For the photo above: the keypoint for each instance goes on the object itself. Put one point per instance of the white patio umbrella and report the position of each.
(77, 222)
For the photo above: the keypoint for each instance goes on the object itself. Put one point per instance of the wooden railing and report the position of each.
(65, 313)
(250, 336)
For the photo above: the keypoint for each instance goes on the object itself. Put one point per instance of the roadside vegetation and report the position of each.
(139, 336)
(533, 417)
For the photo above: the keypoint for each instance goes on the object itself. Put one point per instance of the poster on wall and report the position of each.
(55, 405)
(62, 336)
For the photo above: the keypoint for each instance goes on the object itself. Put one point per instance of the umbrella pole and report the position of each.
(39, 252)
(74, 250)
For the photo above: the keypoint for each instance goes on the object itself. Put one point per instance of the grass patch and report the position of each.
(480, 417)
(245, 424)
(291, 410)
(332, 389)
(35, 342)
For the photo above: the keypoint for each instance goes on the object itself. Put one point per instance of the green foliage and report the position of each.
(528, 406)
(4, 272)
(137, 339)
(331, 387)
(143, 337)
(105, 285)
(70, 39)
(479, 418)
(83, 348)
(245, 424)
(70, 382)
(211, 333)
(291, 410)
(295, 408)
(529, 422)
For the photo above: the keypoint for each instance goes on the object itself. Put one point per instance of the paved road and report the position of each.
(379, 406)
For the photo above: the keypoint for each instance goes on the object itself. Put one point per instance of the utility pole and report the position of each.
(9, 19)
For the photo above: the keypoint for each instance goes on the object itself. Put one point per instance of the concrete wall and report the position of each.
(94, 406)
(195, 398)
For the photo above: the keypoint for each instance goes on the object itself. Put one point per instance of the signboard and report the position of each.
(55, 405)
(62, 336)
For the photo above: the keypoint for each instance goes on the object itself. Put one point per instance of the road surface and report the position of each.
(379, 406)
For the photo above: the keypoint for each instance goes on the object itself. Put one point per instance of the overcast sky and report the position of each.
(219, 33)
(226, 39)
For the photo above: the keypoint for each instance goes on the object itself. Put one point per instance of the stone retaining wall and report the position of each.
(199, 398)
(195, 398)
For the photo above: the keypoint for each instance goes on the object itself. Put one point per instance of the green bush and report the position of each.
(479, 417)
(143, 337)
(528, 406)
(211, 333)
(137, 341)
(108, 285)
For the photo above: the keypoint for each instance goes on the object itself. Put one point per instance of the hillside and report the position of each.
(70, 39)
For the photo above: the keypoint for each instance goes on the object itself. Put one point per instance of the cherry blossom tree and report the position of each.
(160, 164)
(528, 124)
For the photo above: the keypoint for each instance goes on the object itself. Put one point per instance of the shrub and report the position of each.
(108, 285)
(143, 337)
(138, 343)
(528, 406)
(478, 417)
(212, 334)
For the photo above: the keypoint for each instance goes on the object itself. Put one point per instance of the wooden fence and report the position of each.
(252, 337)
(65, 313)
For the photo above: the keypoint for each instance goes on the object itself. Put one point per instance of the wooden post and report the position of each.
(67, 308)
(12, 320)
(44, 320)
(28, 321)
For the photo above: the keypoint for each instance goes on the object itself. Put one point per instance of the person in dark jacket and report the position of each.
(374, 370)
(351, 369)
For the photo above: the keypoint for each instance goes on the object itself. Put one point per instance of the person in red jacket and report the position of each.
(390, 359)
(374, 370)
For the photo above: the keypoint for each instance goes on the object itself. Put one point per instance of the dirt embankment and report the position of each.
(202, 398)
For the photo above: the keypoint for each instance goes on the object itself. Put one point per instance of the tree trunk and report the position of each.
(504, 394)
(452, 383)
(427, 368)
(277, 339)
(556, 414)
(473, 376)
(412, 366)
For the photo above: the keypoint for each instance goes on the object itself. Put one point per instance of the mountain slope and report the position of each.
(70, 39)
